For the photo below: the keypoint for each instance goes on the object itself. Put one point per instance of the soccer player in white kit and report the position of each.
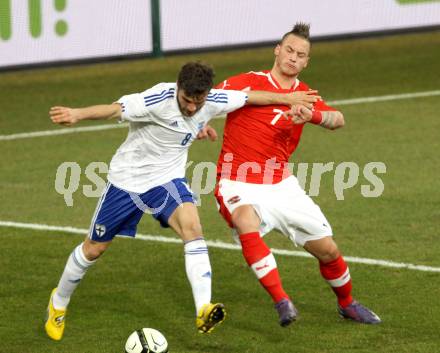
(147, 175)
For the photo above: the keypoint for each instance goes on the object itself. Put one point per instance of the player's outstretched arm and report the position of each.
(331, 120)
(69, 116)
(304, 98)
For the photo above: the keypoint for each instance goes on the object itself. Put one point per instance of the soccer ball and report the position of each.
(146, 340)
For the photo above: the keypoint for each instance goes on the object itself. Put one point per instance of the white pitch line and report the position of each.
(221, 245)
(391, 97)
(361, 100)
(64, 131)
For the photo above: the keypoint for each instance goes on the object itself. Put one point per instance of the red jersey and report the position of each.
(258, 140)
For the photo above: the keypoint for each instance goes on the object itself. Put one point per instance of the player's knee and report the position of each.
(93, 250)
(325, 249)
(245, 219)
(329, 254)
(191, 230)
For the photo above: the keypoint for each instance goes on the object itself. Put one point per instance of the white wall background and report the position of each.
(102, 28)
(197, 23)
(96, 28)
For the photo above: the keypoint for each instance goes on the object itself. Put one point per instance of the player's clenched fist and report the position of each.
(207, 132)
(301, 114)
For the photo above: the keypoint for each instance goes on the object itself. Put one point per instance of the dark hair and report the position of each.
(195, 78)
(300, 29)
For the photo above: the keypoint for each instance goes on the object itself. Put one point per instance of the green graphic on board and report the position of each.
(5, 20)
(35, 26)
(35, 17)
(61, 26)
(406, 2)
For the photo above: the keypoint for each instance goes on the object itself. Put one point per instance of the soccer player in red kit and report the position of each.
(256, 192)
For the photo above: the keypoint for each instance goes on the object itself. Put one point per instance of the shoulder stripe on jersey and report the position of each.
(150, 98)
(218, 97)
(158, 95)
(158, 100)
(215, 95)
(267, 75)
(218, 100)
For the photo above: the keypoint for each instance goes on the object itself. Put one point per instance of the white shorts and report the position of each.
(284, 207)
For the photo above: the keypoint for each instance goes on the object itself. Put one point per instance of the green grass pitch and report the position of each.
(143, 284)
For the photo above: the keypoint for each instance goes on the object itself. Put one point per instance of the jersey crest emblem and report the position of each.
(100, 230)
(234, 199)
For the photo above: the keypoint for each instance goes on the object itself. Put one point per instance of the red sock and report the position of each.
(259, 257)
(336, 273)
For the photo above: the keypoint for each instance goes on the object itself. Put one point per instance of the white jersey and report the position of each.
(156, 148)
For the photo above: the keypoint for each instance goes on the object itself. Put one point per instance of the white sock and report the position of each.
(198, 270)
(76, 267)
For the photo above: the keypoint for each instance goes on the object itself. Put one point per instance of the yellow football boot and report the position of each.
(209, 316)
(55, 320)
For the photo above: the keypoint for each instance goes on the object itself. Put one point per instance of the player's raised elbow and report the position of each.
(339, 121)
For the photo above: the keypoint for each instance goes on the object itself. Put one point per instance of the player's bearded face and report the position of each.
(190, 105)
(292, 55)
